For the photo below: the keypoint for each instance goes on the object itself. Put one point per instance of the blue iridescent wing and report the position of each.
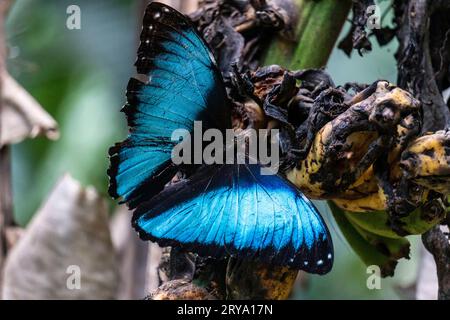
(233, 209)
(183, 85)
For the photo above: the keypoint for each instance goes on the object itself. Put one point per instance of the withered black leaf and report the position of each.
(357, 37)
(238, 31)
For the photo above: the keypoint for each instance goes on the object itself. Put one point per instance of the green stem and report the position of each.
(319, 25)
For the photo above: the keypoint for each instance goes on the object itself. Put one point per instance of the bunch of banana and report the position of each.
(363, 153)
(340, 162)
(375, 242)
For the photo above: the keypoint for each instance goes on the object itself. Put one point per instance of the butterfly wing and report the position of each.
(184, 85)
(233, 209)
(220, 209)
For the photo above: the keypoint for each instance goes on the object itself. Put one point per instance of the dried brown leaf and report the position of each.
(21, 116)
(71, 229)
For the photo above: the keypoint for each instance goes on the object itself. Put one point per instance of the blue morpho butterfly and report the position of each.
(220, 209)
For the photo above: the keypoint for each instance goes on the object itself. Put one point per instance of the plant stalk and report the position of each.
(318, 27)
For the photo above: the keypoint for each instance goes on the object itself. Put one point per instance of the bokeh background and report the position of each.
(80, 77)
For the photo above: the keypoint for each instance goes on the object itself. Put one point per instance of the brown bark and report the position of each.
(436, 242)
(423, 60)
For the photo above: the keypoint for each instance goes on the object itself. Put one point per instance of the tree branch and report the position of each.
(416, 70)
(423, 62)
(437, 243)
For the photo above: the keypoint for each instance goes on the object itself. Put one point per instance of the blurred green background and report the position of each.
(80, 77)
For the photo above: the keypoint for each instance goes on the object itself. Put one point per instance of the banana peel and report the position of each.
(368, 246)
(250, 279)
(393, 248)
(418, 222)
(374, 241)
(427, 161)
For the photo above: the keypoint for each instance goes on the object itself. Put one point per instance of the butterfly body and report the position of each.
(220, 209)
